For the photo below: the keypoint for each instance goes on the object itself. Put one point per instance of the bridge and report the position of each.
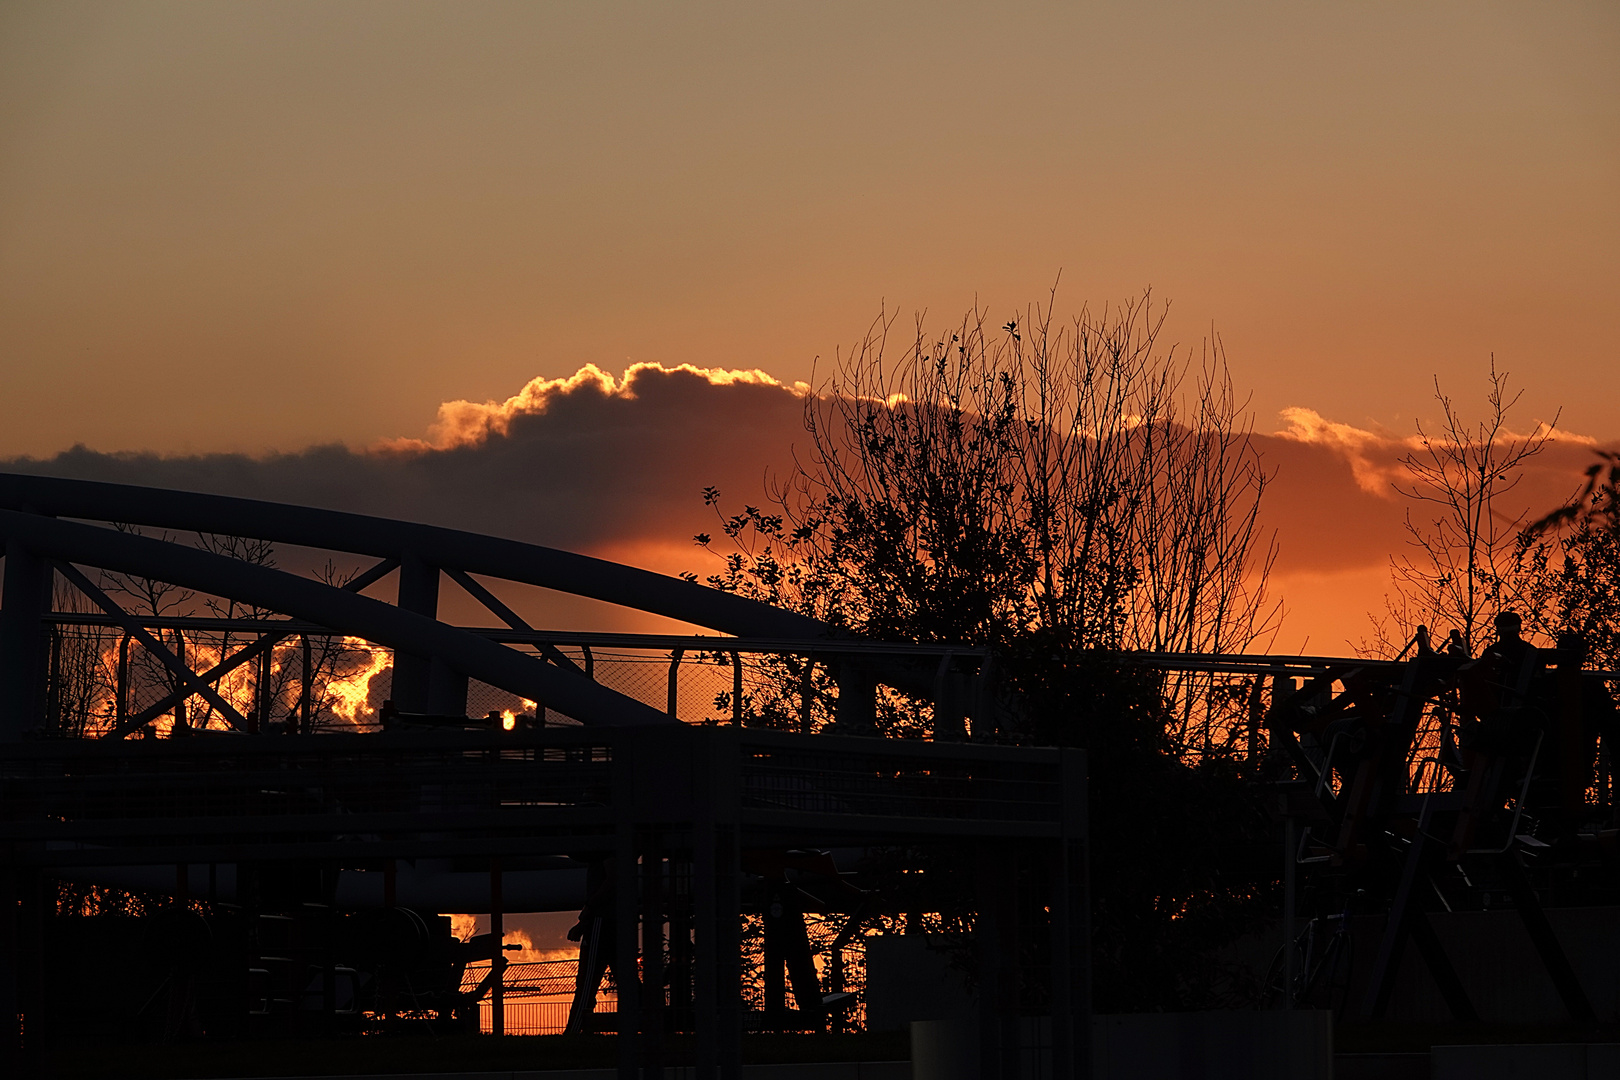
(181, 717)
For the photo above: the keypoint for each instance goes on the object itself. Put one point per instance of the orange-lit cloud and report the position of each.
(1372, 456)
(1337, 497)
(616, 465)
(466, 423)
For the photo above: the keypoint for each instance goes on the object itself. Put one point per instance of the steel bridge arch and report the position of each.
(44, 530)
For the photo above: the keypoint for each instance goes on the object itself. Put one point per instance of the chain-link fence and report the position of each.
(536, 996)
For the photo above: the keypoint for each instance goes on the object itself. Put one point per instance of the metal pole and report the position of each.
(624, 962)
(1290, 865)
(181, 723)
(1060, 927)
(706, 1014)
(25, 599)
(122, 690)
(652, 957)
(305, 691)
(497, 929)
(674, 682)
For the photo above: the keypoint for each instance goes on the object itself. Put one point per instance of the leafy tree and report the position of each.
(1582, 591)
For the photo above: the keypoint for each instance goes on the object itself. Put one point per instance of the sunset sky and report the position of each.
(257, 228)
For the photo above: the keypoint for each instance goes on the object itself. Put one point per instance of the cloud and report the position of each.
(615, 466)
(1338, 497)
(1373, 457)
(584, 463)
(465, 423)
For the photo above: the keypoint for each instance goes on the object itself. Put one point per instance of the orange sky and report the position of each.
(258, 227)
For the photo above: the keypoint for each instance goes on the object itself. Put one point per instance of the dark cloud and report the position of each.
(586, 463)
(617, 466)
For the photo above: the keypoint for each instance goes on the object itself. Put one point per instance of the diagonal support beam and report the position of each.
(343, 612)
(237, 659)
(174, 697)
(181, 671)
(372, 575)
(1546, 941)
(1451, 987)
(507, 615)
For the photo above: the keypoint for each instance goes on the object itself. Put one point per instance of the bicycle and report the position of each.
(1323, 962)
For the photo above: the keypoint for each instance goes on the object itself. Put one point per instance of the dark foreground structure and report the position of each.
(1425, 798)
(292, 861)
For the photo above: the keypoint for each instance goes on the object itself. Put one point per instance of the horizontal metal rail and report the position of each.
(509, 636)
(502, 791)
(1224, 663)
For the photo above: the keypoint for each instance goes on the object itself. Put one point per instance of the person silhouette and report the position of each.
(1507, 652)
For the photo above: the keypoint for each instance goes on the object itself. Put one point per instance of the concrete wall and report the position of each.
(1504, 975)
(1238, 1045)
(1552, 1061)
(907, 980)
(1494, 958)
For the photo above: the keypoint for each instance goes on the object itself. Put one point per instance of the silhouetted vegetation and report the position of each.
(1474, 552)
(1060, 494)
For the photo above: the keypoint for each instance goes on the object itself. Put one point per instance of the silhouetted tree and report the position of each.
(1470, 552)
(1581, 589)
(1059, 493)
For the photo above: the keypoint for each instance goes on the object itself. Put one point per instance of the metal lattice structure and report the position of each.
(500, 768)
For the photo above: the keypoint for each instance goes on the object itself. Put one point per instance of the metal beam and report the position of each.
(508, 616)
(491, 556)
(26, 597)
(237, 659)
(179, 668)
(343, 611)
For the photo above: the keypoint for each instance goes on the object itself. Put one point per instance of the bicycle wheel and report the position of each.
(1327, 985)
(1273, 989)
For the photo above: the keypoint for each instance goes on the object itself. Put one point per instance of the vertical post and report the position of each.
(53, 696)
(984, 700)
(771, 952)
(1008, 898)
(857, 700)
(728, 942)
(721, 796)
(624, 962)
(306, 677)
(706, 919)
(390, 873)
(497, 929)
(950, 719)
(24, 600)
(1062, 974)
(1290, 873)
(807, 695)
(652, 957)
(257, 716)
(674, 683)
(418, 593)
(182, 725)
(31, 996)
(1257, 711)
(987, 937)
(11, 1008)
(1071, 930)
(737, 689)
(121, 706)
(329, 943)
